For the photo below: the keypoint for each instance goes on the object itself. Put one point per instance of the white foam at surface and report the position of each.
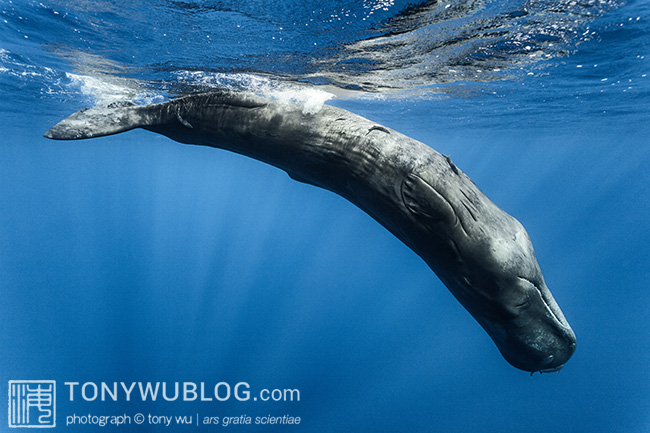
(284, 92)
(105, 89)
(311, 99)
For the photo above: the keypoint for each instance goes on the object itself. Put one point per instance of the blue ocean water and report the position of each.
(133, 258)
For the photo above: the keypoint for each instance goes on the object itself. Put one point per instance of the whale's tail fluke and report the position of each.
(123, 116)
(100, 121)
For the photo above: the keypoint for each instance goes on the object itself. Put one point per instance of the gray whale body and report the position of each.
(481, 253)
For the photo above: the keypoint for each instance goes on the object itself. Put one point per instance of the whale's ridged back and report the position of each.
(100, 121)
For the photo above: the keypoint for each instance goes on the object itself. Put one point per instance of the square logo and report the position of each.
(32, 403)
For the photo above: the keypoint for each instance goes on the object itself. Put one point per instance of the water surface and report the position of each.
(134, 258)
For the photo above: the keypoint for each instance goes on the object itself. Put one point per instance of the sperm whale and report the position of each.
(482, 254)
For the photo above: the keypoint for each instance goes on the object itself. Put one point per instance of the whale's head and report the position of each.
(503, 284)
(486, 259)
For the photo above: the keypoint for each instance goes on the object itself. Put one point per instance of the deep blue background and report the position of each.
(134, 258)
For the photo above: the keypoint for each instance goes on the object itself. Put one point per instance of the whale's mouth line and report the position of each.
(548, 370)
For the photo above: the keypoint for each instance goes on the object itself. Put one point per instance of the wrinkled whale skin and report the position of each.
(481, 253)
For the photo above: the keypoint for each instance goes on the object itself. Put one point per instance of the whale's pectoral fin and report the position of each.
(422, 199)
(99, 121)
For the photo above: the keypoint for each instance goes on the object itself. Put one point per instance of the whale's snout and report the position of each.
(537, 337)
(551, 355)
(536, 348)
(554, 363)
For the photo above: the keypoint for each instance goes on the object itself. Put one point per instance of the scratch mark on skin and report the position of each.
(378, 128)
(184, 122)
